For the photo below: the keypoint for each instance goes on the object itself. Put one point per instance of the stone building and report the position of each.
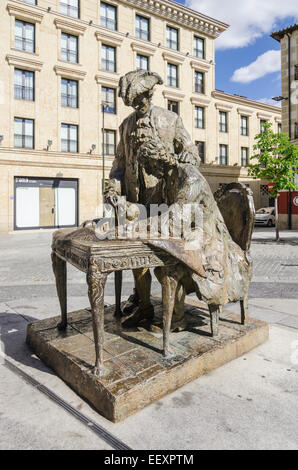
(288, 39)
(60, 60)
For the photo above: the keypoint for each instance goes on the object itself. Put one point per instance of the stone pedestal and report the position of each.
(136, 373)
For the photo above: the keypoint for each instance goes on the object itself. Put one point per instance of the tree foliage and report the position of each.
(276, 160)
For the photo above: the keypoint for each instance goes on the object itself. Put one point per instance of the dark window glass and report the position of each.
(199, 47)
(199, 82)
(108, 58)
(173, 106)
(70, 8)
(108, 96)
(69, 48)
(142, 62)
(69, 93)
(23, 85)
(244, 156)
(24, 133)
(262, 124)
(296, 72)
(142, 28)
(201, 149)
(109, 142)
(173, 75)
(69, 138)
(223, 121)
(24, 38)
(279, 128)
(244, 125)
(199, 117)
(108, 16)
(223, 154)
(172, 38)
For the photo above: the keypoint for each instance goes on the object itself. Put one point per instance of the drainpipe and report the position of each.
(290, 125)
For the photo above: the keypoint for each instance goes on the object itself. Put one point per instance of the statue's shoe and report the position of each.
(139, 316)
(130, 305)
(176, 326)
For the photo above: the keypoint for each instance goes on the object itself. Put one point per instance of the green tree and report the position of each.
(276, 162)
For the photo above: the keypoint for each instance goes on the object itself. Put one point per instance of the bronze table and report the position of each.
(98, 258)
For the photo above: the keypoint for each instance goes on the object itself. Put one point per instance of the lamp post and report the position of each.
(104, 107)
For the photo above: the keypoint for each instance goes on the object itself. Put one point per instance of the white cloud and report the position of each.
(249, 20)
(268, 62)
(270, 101)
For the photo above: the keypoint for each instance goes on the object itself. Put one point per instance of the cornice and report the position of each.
(220, 95)
(25, 13)
(177, 59)
(224, 107)
(245, 111)
(200, 65)
(181, 15)
(143, 48)
(264, 115)
(24, 63)
(108, 79)
(110, 38)
(200, 100)
(173, 95)
(69, 73)
(71, 27)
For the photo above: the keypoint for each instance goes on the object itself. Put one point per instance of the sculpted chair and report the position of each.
(236, 205)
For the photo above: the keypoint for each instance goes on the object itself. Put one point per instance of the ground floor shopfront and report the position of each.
(44, 190)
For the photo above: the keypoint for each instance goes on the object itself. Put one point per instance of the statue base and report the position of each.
(135, 372)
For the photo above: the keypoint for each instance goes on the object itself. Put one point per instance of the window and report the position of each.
(24, 133)
(142, 62)
(108, 58)
(223, 121)
(244, 125)
(199, 82)
(69, 93)
(173, 106)
(109, 142)
(24, 38)
(244, 156)
(142, 28)
(223, 154)
(69, 48)
(23, 85)
(279, 128)
(173, 75)
(108, 16)
(199, 117)
(69, 138)
(172, 38)
(262, 124)
(70, 8)
(296, 72)
(108, 96)
(201, 149)
(199, 47)
(31, 2)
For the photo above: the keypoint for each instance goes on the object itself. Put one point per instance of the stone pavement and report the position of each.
(250, 403)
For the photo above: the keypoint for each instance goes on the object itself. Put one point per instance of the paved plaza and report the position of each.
(250, 403)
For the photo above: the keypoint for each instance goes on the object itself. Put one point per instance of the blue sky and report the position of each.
(247, 41)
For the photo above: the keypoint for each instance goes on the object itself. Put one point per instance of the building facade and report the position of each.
(62, 59)
(288, 39)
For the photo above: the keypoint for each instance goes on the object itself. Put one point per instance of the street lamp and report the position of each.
(104, 107)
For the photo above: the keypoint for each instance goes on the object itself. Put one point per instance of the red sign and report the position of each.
(271, 187)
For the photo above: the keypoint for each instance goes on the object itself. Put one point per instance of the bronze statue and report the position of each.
(157, 163)
(150, 130)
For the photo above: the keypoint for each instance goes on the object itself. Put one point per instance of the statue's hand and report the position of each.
(186, 157)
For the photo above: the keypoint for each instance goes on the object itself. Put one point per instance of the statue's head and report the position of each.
(137, 88)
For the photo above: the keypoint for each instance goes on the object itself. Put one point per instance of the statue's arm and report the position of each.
(185, 149)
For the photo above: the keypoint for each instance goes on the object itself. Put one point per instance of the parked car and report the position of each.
(265, 216)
